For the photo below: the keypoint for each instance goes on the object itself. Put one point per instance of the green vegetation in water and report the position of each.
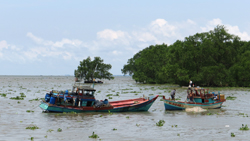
(116, 95)
(50, 130)
(18, 102)
(32, 127)
(110, 112)
(244, 127)
(160, 123)
(32, 138)
(3, 95)
(98, 91)
(94, 135)
(100, 115)
(151, 94)
(45, 136)
(127, 89)
(209, 113)
(36, 99)
(134, 92)
(232, 134)
(137, 125)
(59, 130)
(114, 129)
(127, 116)
(109, 95)
(161, 99)
(230, 98)
(174, 126)
(29, 111)
(244, 115)
(110, 98)
(17, 98)
(178, 134)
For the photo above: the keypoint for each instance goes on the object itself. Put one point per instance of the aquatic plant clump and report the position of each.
(232, 135)
(230, 98)
(94, 135)
(17, 98)
(36, 99)
(32, 127)
(50, 130)
(244, 127)
(22, 95)
(3, 95)
(29, 111)
(160, 123)
(59, 130)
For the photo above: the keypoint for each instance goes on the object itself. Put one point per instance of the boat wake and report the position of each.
(195, 109)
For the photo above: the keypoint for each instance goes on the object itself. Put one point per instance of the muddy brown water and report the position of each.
(215, 124)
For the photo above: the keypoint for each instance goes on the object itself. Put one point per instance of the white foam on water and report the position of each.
(195, 109)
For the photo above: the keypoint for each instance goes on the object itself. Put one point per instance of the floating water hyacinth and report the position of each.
(59, 130)
(160, 123)
(94, 135)
(32, 127)
(244, 127)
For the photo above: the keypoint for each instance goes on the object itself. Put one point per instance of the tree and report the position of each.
(88, 70)
(214, 58)
(146, 65)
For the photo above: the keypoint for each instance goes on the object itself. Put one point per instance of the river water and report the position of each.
(215, 124)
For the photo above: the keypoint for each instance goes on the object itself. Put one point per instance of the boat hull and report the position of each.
(178, 105)
(127, 108)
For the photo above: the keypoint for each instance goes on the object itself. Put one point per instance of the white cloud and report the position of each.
(110, 44)
(115, 52)
(111, 35)
(161, 26)
(3, 44)
(231, 29)
(191, 22)
(61, 43)
(144, 36)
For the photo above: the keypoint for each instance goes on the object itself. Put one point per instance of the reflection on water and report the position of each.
(213, 124)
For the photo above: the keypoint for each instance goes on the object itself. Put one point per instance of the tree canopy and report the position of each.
(89, 70)
(214, 58)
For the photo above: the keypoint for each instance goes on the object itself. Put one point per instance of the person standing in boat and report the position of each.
(190, 83)
(173, 94)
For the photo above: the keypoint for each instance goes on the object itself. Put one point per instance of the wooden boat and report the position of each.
(82, 100)
(196, 98)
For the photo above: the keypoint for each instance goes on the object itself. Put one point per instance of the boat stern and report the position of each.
(44, 106)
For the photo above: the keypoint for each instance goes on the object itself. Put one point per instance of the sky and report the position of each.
(51, 37)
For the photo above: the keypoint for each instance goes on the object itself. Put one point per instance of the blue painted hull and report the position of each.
(174, 105)
(132, 108)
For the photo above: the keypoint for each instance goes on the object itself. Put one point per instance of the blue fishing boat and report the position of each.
(82, 99)
(196, 98)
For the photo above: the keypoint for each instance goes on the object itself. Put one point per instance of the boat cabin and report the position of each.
(81, 96)
(200, 95)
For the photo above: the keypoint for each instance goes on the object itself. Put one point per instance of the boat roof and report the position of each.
(84, 87)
